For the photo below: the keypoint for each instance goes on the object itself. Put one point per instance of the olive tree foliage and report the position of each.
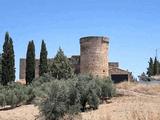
(57, 98)
(89, 92)
(107, 88)
(60, 97)
(13, 95)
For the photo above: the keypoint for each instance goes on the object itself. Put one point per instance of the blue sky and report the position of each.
(133, 27)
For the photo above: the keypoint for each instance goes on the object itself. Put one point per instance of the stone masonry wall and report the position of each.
(94, 56)
(22, 72)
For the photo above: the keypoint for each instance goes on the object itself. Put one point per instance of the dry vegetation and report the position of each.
(144, 104)
(152, 89)
(127, 108)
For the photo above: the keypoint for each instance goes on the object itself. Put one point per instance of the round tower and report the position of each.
(94, 55)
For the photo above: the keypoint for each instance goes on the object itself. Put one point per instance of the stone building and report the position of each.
(93, 59)
(117, 74)
(94, 55)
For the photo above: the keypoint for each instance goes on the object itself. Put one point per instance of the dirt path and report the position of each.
(26, 112)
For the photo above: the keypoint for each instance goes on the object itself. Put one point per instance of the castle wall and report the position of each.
(37, 68)
(22, 71)
(94, 56)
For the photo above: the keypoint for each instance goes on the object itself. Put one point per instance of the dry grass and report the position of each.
(96, 115)
(152, 89)
(126, 85)
(143, 115)
(26, 112)
(145, 106)
(127, 108)
(73, 117)
(143, 112)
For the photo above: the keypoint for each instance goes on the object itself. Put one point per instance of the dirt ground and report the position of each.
(128, 107)
(123, 108)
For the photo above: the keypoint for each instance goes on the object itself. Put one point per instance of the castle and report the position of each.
(93, 59)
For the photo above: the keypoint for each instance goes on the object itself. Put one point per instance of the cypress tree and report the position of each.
(8, 61)
(156, 67)
(12, 61)
(43, 67)
(61, 67)
(159, 66)
(0, 68)
(30, 62)
(150, 69)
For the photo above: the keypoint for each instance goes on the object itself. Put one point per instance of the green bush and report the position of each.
(14, 94)
(73, 96)
(62, 98)
(11, 99)
(93, 100)
(40, 87)
(30, 93)
(108, 89)
(52, 107)
(43, 79)
(89, 91)
(2, 100)
(94, 90)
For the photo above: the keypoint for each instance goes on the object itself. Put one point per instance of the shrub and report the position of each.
(53, 106)
(62, 98)
(43, 79)
(73, 96)
(2, 100)
(30, 93)
(93, 89)
(12, 95)
(108, 90)
(93, 100)
(89, 92)
(11, 99)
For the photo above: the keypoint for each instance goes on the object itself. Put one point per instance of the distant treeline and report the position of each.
(154, 67)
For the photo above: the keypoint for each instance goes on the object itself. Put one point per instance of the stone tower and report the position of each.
(94, 56)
